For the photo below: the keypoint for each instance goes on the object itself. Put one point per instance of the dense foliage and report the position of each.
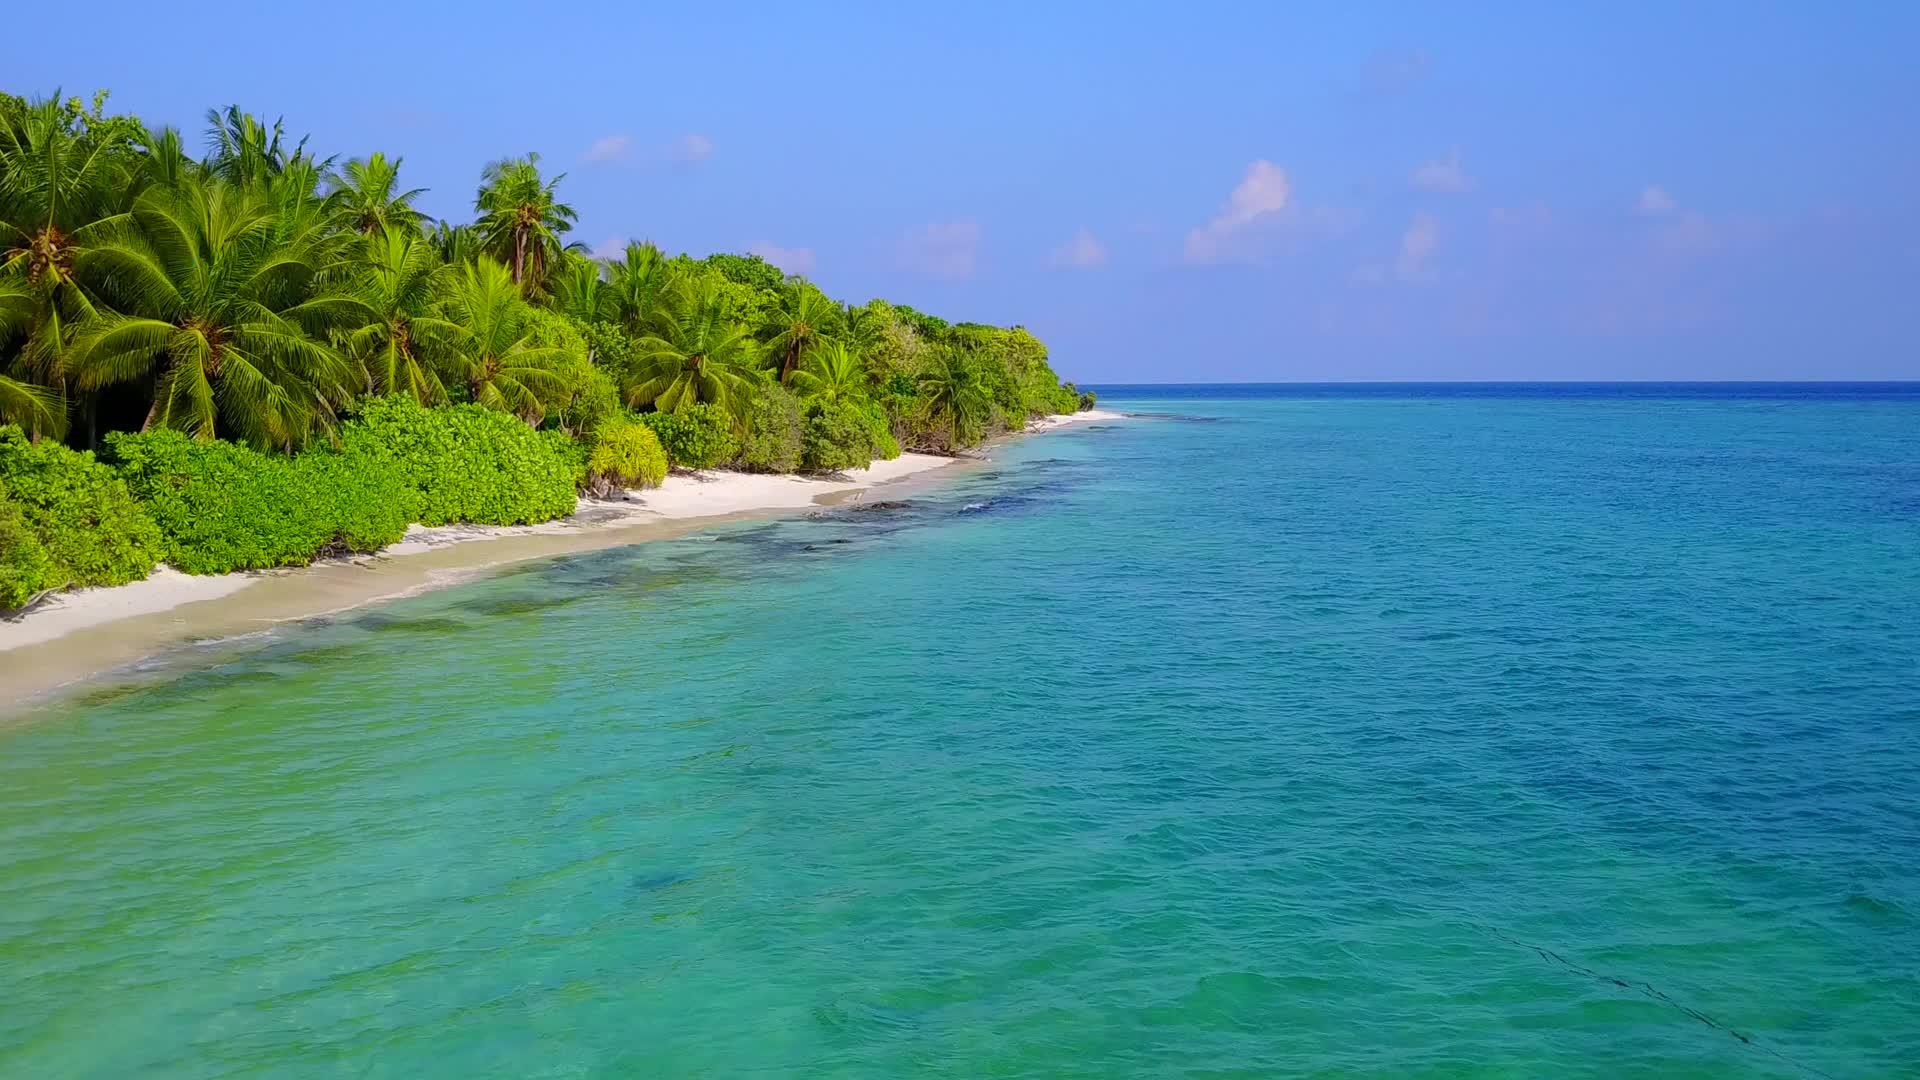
(699, 436)
(276, 309)
(26, 569)
(223, 506)
(775, 430)
(81, 514)
(626, 453)
(838, 436)
(465, 463)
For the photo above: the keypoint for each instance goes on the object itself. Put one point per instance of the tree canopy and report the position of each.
(258, 292)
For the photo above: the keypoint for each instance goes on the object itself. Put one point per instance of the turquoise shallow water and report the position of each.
(1349, 732)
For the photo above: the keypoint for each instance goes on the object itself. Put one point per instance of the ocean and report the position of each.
(1404, 731)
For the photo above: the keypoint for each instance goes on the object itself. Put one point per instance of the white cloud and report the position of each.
(1261, 194)
(690, 149)
(948, 249)
(610, 248)
(609, 148)
(1444, 175)
(791, 260)
(1681, 231)
(1417, 245)
(1083, 252)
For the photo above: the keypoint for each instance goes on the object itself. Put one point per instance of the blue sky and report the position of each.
(1162, 192)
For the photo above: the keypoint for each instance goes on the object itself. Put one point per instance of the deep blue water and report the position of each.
(1385, 731)
(1522, 391)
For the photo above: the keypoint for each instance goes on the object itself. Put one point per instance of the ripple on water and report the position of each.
(1464, 736)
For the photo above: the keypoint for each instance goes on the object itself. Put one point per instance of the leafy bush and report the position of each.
(750, 270)
(592, 399)
(572, 453)
(467, 463)
(836, 438)
(1087, 398)
(81, 514)
(774, 432)
(697, 437)
(610, 348)
(224, 506)
(880, 441)
(366, 502)
(572, 373)
(25, 567)
(626, 453)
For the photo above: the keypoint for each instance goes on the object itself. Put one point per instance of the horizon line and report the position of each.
(1527, 382)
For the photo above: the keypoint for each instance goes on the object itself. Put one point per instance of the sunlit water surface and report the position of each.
(1421, 732)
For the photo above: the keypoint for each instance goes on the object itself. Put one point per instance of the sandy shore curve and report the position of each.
(88, 632)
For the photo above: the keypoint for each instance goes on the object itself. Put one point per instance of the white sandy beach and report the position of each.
(688, 495)
(681, 498)
(697, 495)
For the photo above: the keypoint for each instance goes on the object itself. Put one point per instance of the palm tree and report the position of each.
(365, 195)
(406, 342)
(700, 354)
(165, 161)
(242, 150)
(804, 317)
(954, 399)
(860, 327)
(457, 245)
(831, 373)
(38, 409)
(218, 300)
(640, 283)
(579, 289)
(59, 188)
(501, 360)
(520, 219)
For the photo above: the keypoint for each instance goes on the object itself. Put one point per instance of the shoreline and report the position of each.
(88, 633)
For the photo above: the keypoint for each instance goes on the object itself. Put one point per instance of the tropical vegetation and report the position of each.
(258, 356)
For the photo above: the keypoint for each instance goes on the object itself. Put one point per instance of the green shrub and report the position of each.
(610, 348)
(1087, 398)
(774, 432)
(837, 438)
(571, 452)
(366, 500)
(225, 507)
(880, 441)
(697, 437)
(592, 398)
(467, 463)
(81, 514)
(626, 453)
(26, 569)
